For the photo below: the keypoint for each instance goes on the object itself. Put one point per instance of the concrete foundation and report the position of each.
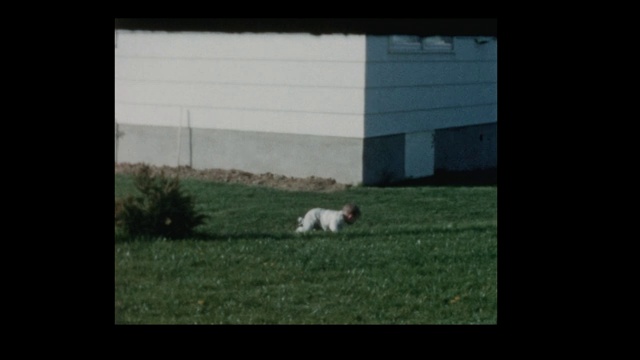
(370, 161)
(467, 148)
(383, 159)
(284, 154)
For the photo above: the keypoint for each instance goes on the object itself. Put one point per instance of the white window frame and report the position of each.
(403, 44)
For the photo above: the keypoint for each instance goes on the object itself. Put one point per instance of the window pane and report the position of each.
(437, 43)
(405, 43)
(405, 39)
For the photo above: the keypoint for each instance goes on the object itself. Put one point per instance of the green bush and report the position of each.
(162, 209)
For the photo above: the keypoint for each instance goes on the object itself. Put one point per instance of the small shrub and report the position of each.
(162, 209)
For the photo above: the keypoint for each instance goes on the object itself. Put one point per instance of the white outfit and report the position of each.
(321, 219)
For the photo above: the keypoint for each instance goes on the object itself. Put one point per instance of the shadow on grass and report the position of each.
(201, 236)
(278, 236)
(344, 235)
(121, 237)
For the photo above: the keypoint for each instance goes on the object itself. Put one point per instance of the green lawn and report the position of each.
(422, 255)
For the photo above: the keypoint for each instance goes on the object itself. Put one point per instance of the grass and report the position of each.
(421, 255)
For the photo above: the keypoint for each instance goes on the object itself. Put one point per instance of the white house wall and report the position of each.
(340, 106)
(416, 92)
(412, 97)
(285, 83)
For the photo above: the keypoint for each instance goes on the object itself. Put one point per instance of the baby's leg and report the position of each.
(309, 222)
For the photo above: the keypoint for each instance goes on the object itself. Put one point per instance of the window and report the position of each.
(417, 44)
(437, 44)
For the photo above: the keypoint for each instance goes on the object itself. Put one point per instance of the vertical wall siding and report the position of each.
(415, 92)
(280, 83)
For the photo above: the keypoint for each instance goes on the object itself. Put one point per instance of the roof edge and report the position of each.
(422, 27)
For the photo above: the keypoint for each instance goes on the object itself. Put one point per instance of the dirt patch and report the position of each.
(311, 183)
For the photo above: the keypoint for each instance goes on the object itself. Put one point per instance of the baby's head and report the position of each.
(351, 213)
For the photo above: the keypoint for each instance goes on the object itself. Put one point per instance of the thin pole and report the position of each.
(190, 139)
(179, 135)
(117, 137)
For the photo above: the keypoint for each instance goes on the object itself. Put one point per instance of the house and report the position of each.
(356, 107)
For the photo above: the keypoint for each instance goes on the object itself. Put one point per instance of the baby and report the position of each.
(332, 220)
